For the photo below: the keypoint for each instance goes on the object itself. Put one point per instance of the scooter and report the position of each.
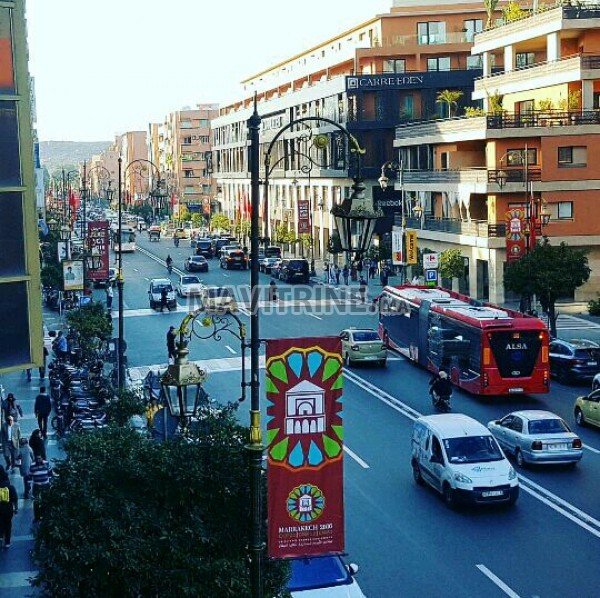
(441, 402)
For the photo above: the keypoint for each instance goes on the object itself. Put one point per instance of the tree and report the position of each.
(130, 517)
(197, 220)
(490, 7)
(219, 222)
(549, 272)
(450, 98)
(451, 264)
(91, 326)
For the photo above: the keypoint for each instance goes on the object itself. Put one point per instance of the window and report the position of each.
(524, 106)
(474, 62)
(203, 123)
(441, 63)
(189, 189)
(433, 32)
(187, 141)
(569, 157)
(565, 210)
(394, 65)
(204, 139)
(186, 124)
(524, 59)
(188, 174)
(516, 157)
(472, 26)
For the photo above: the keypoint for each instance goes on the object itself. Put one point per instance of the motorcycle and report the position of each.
(169, 268)
(441, 402)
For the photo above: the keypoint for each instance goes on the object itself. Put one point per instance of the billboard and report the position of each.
(303, 217)
(72, 275)
(98, 250)
(515, 235)
(305, 432)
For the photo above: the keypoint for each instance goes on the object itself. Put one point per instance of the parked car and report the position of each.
(276, 268)
(217, 299)
(363, 345)
(273, 251)
(266, 263)
(587, 409)
(596, 382)
(155, 293)
(323, 576)
(204, 247)
(234, 258)
(195, 263)
(294, 270)
(577, 359)
(188, 286)
(537, 436)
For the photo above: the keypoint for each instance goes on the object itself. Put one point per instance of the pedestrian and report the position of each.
(164, 295)
(36, 442)
(272, 290)
(42, 409)
(346, 274)
(332, 275)
(60, 345)
(325, 272)
(383, 276)
(11, 436)
(42, 369)
(40, 478)
(26, 459)
(28, 372)
(11, 407)
(109, 296)
(362, 289)
(338, 273)
(359, 267)
(9, 506)
(171, 337)
(373, 269)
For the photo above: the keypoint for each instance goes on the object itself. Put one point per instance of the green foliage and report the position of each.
(123, 407)
(284, 234)
(144, 211)
(513, 12)
(219, 222)
(451, 264)
(92, 326)
(495, 103)
(545, 104)
(305, 240)
(52, 276)
(549, 272)
(490, 7)
(594, 307)
(197, 220)
(474, 111)
(130, 517)
(242, 228)
(450, 98)
(572, 102)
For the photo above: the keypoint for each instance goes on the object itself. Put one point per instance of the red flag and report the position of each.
(173, 199)
(247, 206)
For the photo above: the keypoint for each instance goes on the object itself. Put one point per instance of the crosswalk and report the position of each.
(570, 322)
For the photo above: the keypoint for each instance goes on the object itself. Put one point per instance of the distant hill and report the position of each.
(56, 154)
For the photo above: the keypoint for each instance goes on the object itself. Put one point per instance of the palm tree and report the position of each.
(449, 97)
(490, 7)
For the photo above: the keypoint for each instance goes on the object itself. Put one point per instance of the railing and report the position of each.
(514, 174)
(468, 175)
(541, 118)
(472, 228)
(458, 124)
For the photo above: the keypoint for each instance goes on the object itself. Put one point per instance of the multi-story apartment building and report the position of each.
(385, 71)
(21, 339)
(467, 174)
(181, 148)
(103, 168)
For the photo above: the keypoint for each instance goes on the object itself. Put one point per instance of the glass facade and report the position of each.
(10, 162)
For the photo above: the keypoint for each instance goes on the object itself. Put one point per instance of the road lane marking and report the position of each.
(230, 349)
(135, 270)
(315, 317)
(593, 450)
(352, 454)
(497, 581)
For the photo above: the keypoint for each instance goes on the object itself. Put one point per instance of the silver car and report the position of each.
(536, 436)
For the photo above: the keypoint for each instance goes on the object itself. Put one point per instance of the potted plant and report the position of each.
(545, 108)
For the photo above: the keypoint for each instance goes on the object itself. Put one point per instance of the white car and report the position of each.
(189, 286)
(323, 577)
(596, 382)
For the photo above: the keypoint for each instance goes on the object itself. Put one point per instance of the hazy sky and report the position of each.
(105, 67)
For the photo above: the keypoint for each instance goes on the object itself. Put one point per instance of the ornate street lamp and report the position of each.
(158, 195)
(54, 225)
(545, 214)
(65, 233)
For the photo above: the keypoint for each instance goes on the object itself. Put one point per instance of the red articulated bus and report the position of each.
(487, 350)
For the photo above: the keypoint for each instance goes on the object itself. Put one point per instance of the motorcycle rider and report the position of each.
(169, 262)
(440, 388)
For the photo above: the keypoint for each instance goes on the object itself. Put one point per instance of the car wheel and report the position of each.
(448, 494)
(417, 473)
(579, 418)
(519, 458)
(348, 361)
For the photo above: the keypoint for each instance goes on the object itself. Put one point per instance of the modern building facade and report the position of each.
(21, 338)
(388, 70)
(533, 152)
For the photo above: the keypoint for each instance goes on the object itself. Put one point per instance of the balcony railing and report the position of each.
(544, 118)
(514, 174)
(470, 175)
(472, 228)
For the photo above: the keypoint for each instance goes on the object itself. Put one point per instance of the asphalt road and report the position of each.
(406, 542)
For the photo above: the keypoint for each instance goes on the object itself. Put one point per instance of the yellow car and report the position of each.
(363, 344)
(218, 299)
(587, 409)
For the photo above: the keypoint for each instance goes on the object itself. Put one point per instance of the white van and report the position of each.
(458, 457)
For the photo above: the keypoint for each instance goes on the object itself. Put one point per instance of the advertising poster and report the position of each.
(98, 248)
(305, 431)
(397, 255)
(303, 217)
(411, 247)
(64, 250)
(515, 236)
(72, 275)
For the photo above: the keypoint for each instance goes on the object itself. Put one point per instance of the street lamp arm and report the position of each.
(140, 161)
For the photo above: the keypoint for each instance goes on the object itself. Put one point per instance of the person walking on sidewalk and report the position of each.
(109, 296)
(10, 434)
(36, 442)
(42, 409)
(171, 336)
(40, 477)
(11, 407)
(9, 505)
(338, 273)
(362, 289)
(346, 274)
(26, 459)
(42, 369)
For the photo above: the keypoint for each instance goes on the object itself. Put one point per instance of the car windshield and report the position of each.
(198, 259)
(190, 280)
(586, 353)
(318, 572)
(157, 288)
(547, 426)
(218, 293)
(472, 449)
(365, 335)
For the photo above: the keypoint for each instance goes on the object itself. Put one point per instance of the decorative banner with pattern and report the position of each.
(98, 250)
(515, 234)
(303, 217)
(305, 433)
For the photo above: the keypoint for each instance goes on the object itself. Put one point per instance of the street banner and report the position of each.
(411, 247)
(305, 431)
(515, 235)
(303, 217)
(397, 254)
(98, 250)
(72, 275)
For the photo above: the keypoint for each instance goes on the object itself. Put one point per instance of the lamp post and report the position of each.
(66, 192)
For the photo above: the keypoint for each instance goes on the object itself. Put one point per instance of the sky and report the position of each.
(104, 68)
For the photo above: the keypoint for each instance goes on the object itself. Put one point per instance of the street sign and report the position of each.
(431, 275)
(430, 261)
(411, 246)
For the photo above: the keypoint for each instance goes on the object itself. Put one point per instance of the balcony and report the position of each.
(472, 228)
(514, 175)
(544, 118)
(471, 175)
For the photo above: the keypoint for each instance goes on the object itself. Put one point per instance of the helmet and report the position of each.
(443, 375)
